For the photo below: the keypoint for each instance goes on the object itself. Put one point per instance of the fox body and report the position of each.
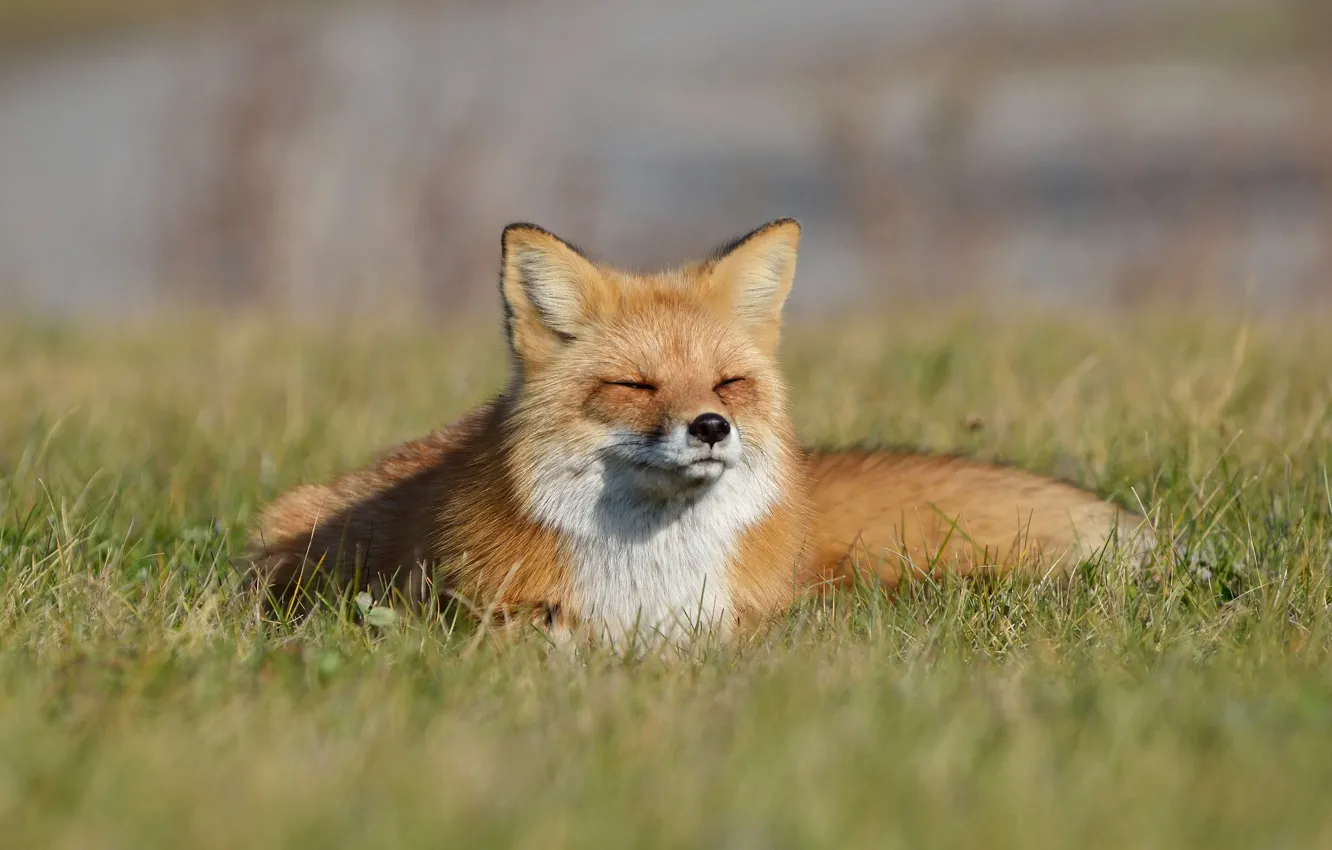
(640, 474)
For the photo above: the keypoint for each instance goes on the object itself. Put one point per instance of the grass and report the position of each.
(29, 24)
(143, 705)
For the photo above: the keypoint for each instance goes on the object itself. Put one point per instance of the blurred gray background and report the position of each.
(345, 157)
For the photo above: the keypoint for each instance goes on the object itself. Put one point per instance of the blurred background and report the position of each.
(340, 157)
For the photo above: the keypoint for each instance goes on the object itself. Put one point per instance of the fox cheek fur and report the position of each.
(640, 475)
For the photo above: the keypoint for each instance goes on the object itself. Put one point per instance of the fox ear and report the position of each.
(751, 277)
(550, 291)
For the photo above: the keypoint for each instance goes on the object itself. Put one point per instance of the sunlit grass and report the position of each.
(144, 705)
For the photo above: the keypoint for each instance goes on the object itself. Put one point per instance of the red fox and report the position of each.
(640, 473)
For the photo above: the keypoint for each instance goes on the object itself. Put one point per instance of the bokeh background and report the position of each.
(343, 157)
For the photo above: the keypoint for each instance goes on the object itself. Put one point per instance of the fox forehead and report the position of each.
(675, 297)
(554, 295)
(659, 329)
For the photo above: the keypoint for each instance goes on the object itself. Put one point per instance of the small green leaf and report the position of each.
(381, 617)
(328, 664)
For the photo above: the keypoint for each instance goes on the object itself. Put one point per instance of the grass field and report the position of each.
(143, 704)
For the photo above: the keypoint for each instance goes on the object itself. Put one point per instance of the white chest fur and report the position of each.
(647, 568)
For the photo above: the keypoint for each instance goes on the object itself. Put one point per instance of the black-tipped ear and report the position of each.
(550, 290)
(752, 276)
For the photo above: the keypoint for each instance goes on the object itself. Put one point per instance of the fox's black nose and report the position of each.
(711, 428)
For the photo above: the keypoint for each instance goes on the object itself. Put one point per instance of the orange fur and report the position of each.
(610, 373)
(900, 513)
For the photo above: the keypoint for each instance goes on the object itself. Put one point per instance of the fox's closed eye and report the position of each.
(633, 385)
(728, 382)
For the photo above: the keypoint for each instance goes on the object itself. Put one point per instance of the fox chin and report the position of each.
(639, 476)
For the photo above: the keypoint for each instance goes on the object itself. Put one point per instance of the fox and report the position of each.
(640, 474)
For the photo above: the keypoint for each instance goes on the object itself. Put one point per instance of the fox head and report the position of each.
(647, 389)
